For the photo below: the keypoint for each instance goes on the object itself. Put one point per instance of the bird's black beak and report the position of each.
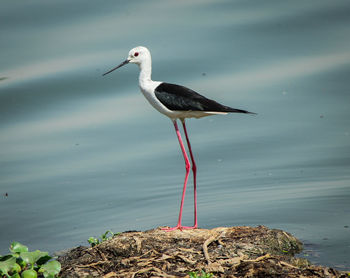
(117, 67)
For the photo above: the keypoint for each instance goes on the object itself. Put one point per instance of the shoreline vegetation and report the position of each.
(219, 252)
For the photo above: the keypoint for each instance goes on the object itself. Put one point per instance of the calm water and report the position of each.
(81, 153)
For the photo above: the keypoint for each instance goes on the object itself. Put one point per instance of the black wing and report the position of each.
(180, 98)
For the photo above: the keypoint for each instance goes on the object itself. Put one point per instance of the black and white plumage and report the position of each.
(180, 98)
(176, 102)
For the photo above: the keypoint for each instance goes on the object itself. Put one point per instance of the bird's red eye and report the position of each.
(136, 54)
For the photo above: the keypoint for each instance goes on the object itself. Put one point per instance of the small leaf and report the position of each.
(93, 241)
(50, 269)
(17, 247)
(16, 268)
(104, 236)
(6, 266)
(32, 257)
(29, 273)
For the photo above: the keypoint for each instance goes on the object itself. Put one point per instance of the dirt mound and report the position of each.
(225, 252)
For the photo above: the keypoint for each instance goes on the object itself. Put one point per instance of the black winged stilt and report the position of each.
(178, 103)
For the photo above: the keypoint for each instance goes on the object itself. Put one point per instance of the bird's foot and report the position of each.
(179, 227)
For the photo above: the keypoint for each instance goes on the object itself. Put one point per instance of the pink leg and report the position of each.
(194, 170)
(188, 166)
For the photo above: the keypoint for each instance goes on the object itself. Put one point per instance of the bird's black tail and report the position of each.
(234, 110)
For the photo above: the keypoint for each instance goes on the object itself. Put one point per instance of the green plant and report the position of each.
(95, 241)
(202, 275)
(28, 264)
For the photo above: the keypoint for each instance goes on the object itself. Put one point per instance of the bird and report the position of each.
(178, 103)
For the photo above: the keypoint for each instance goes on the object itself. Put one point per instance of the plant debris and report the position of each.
(224, 252)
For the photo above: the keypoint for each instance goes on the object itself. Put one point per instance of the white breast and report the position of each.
(147, 89)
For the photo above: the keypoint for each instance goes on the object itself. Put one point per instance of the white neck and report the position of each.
(145, 72)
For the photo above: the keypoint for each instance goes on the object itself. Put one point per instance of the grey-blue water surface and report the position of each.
(81, 153)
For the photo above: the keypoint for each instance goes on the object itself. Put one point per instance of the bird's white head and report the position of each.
(139, 55)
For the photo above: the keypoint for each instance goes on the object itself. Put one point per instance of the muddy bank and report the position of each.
(225, 252)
